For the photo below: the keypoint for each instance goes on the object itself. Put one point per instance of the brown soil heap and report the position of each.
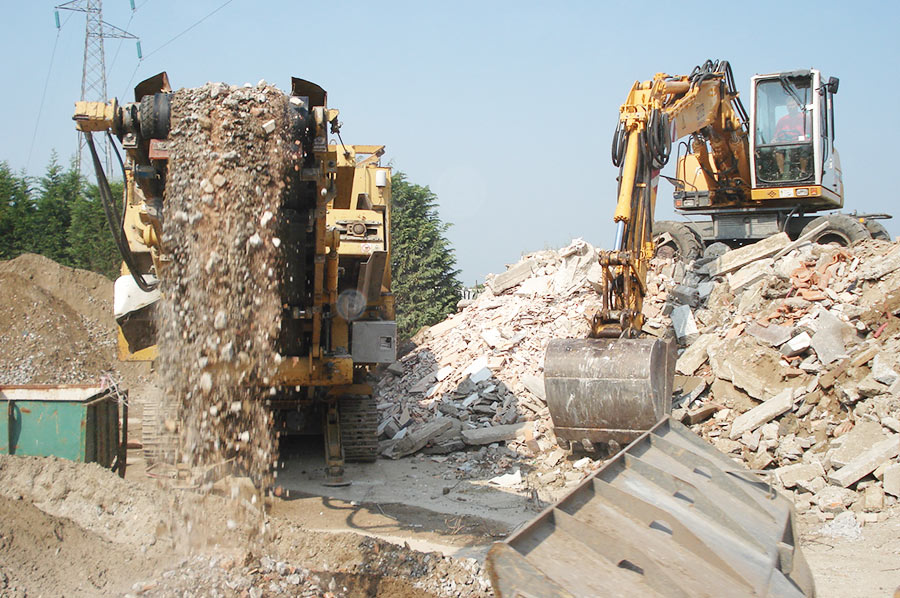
(220, 312)
(56, 323)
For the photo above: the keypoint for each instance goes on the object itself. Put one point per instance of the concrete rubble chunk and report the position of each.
(791, 475)
(881, 267)
(773, 334)
(417, 439)
(867, 462)
(695, 355)
(851, 445)
(762, 413)
(737, 258)
(828, 341)
(685, 295)
(883, 368)
(494, 433)
(538, 285)
(447, 325)
(535, 385)
(796, 345)
(891, 481)
(750, 274)
(513, 276)
(684, 324)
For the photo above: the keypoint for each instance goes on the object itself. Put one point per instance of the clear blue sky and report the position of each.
(505, 109)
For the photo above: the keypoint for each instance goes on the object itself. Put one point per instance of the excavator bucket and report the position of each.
(607, 389)
(669, 516)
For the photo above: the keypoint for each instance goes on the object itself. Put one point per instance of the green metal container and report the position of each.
(77, 422)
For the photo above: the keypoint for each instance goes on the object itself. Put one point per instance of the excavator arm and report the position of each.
(703, 105)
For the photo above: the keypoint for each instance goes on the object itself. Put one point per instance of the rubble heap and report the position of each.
(787, 361)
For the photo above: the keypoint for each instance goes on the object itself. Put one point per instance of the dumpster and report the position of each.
(77, 422)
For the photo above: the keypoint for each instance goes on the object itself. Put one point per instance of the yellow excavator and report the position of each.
(670, 515)
(754, 175)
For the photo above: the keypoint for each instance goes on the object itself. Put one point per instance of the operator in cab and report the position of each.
(793, 125)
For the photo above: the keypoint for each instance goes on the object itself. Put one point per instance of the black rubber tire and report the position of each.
(842, 229)
(877, 230)
(685, 244)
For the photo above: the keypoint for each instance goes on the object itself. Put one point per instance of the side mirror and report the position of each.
(832, 85)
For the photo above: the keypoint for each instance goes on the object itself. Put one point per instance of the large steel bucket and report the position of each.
(607, 389)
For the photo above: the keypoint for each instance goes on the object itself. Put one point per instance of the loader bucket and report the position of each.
(607, 389)
(668, 516)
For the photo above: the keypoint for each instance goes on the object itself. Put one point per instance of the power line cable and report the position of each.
(44, 92)
(223, 5)
(189, 28)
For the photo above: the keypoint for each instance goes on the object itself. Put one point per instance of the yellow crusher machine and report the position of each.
(338, 318)
(754, 176)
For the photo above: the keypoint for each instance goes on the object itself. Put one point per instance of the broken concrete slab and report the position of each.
(891, 481)
(773, 334)
(849, 446)
(513, 276)
(683, 322)
(538, 285)
(685, 295)
(796, 345)
(535, 385)
(478, 370)
(416, 439)
(750, 274)
(767, 411)
(880, 268)
(873, 498)
(867, 462)
(791, 475)
(883, 368)
(447, 325)
(696, 354)
(493, 434)
(737, 258)
(828, 341)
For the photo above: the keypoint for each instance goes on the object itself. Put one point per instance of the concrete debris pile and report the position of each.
(476, 379)
(787, 360)
(790, 363)
(56, 323)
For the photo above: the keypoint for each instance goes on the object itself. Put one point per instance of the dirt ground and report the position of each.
(69, 529)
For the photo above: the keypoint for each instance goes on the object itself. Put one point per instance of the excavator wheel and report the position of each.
(676, 240)
(842, 229)
(607, 389)
(877, 230)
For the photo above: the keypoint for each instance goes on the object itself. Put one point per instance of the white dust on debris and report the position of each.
(221, 308)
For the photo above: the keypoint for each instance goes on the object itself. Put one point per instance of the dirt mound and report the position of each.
(45, 340)
(44, 555)
(117, 510)
(56, 325)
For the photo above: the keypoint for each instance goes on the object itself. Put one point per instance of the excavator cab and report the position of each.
(792, 140)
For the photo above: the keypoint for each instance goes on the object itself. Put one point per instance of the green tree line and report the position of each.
(423, 264)
(58, 215)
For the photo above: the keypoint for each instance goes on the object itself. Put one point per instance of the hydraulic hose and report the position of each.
(106, 198)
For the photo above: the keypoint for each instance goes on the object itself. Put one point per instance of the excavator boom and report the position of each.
(615, 384)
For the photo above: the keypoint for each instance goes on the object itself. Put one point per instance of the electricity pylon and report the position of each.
(93, 74)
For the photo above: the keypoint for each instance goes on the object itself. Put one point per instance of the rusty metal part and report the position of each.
(607, 389)
(669, 516)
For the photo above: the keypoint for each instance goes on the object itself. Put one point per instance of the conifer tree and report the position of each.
(425, 279)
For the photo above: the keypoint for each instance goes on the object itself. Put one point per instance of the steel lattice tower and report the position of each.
(93, 73)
